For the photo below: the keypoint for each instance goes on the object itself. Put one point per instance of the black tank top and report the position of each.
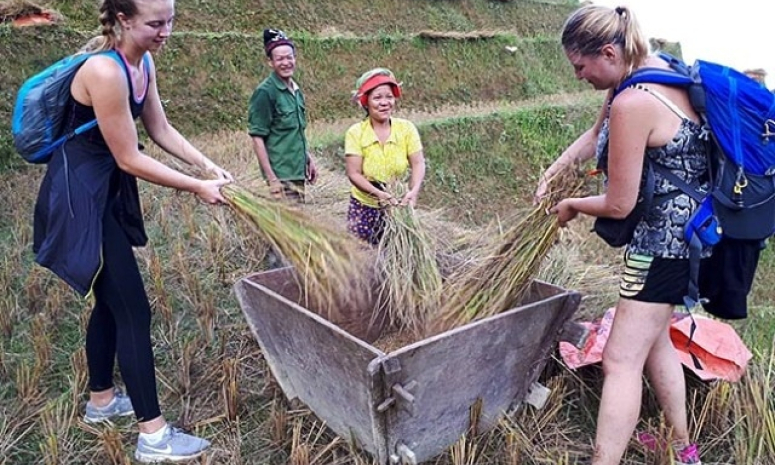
(79, 114)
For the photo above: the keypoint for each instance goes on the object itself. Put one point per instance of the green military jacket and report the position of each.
(278, 115)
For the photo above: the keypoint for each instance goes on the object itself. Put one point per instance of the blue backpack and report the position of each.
(38, 122)
(737, 213)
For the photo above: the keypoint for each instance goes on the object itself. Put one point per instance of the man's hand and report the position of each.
(312, 170)
(276, 189)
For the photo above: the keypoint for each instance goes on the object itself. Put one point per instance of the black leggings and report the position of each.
(120, 324)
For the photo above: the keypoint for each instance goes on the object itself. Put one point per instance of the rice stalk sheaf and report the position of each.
(332, 269)
(410, 282)
(501, 275)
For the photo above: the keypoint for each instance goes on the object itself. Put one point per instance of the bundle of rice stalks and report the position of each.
(501, 278)
(409, 278)
(333, 271)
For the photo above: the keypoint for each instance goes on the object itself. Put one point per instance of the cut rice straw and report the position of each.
(333, 271)
(410, 281)
(501, 279)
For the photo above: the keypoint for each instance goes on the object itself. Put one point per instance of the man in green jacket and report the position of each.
(276, 122)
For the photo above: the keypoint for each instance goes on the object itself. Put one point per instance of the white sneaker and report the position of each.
(175, 446)
(120, 406)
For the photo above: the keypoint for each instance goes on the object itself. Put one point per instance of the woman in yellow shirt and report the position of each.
(378, 151)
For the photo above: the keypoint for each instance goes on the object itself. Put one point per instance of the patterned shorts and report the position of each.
(366, 223)
(654, 279)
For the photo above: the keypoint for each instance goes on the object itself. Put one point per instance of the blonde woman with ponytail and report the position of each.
(88, 215)
(643, 126)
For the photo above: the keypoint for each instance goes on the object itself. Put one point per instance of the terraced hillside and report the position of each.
(351, 17)
(208, 74)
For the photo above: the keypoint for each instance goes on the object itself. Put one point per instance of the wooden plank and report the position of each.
(537, 395)
(495, 359)
(312, 359)
(379, 419)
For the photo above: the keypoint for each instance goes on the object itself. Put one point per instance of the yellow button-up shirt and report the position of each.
(381, 162)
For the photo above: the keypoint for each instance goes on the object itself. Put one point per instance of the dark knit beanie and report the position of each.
(274, 38)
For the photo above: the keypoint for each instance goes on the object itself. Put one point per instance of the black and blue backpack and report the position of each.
(737, 214)
(37, 124)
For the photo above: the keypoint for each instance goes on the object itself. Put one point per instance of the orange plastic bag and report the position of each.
(715, 344)
(720, 351)
(592, 352)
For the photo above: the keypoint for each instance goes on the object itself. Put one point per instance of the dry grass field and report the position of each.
(490, 120)
(212, 377)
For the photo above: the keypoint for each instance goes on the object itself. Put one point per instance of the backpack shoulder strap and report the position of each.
(93, 123)
(112, 53)
(692, 189)
(666, 77)
(675, 63)
(666, 101)
(119, 58)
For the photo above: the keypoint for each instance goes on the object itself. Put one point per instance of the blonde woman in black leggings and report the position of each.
(88, 218)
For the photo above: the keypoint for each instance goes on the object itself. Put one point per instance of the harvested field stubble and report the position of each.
(41, 384)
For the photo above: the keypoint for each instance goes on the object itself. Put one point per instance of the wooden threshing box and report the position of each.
(411, 404)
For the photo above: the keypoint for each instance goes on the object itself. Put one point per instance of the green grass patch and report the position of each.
(524, 17)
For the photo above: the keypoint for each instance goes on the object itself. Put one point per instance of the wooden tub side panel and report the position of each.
(312, 359)
(495, 360)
